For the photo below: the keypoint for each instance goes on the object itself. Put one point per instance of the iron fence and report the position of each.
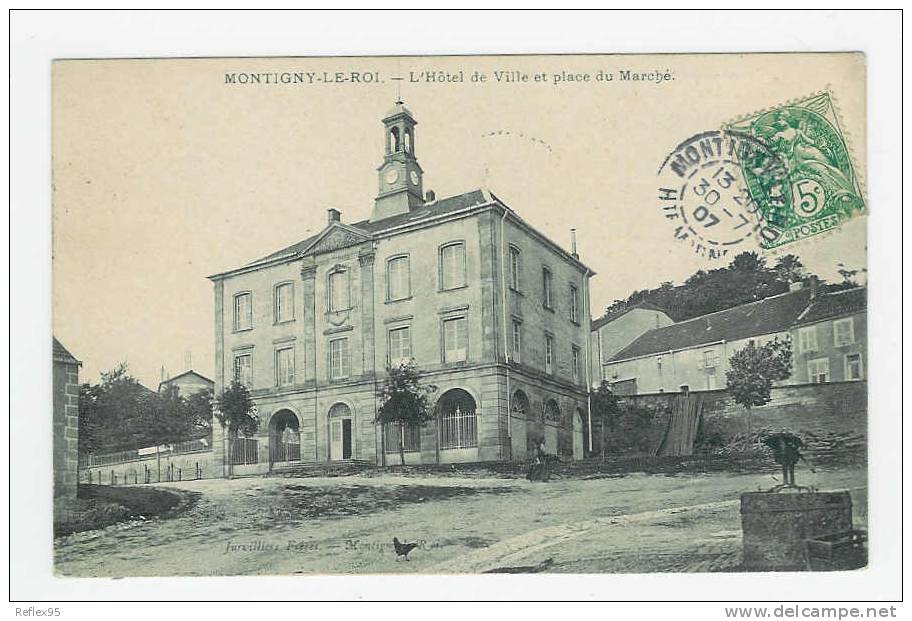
(243, 451)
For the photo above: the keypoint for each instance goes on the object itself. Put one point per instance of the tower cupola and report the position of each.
(399, 176)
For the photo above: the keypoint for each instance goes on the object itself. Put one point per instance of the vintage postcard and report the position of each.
(585, 314)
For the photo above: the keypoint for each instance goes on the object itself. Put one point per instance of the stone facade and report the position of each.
(66, 427)
(448, 283)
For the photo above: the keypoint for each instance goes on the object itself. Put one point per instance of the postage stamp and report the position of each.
(820, 189)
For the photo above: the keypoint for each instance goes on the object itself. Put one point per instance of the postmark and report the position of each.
(702, 193)
(821, 189)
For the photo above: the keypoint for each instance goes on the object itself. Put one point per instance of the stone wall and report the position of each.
(66, 433)
(833, 416)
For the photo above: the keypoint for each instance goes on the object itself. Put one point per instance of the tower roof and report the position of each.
(398, 109)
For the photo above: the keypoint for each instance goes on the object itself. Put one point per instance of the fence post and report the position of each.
(179, 475)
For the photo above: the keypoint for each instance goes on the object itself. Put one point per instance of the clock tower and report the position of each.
(399, 175)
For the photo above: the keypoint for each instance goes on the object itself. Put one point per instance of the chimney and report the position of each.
(333, 215)
(430, 196)
(573, 244)
(164, 374)
(188, 359)
(813, 282)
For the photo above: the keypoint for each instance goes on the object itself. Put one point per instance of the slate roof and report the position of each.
(836, 304)
(62, 354)
(431, 210)
(773, 314)
(609, 317)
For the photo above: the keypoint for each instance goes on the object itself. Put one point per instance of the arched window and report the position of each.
(458, 420)
(408, 141)
(515, 268)
(552, 411)
(398, 278)
(452, 266)
(519, 405)
(394, 140)
(339, 298)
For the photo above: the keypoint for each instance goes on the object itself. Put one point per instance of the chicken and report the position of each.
(403, 549)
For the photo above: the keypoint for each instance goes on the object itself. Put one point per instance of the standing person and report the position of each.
(537, 467)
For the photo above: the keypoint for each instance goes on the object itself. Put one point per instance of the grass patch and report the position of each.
(98, 506)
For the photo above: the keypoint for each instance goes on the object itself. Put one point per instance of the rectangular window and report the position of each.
(409, 435)
(547, 300)
(452, 266)
(455, 340)
(853, 369)
(398, 278)
(339, 359)
(243, 311)
(400, 346)
(285, 366)
(710, 359)
(843, 332)
(574, 304)
(517, 341)
(284, 302)
(576, 364)
(819, 370)
(807, 339)
(243, 369)
(339, 291)
(515, 268)
(549, 353)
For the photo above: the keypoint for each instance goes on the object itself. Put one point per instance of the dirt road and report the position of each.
(632, 523)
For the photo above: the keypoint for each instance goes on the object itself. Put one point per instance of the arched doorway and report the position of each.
(457, 420)
(552, 423)
(520, 409)
(579, 449)
(284, 438)
(340, 432)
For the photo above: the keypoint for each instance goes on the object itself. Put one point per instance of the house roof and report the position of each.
(431, 210)
(767, 316)
(609, 317)
(428, 211)
(185, 374)
(835, 304)
(62, 354)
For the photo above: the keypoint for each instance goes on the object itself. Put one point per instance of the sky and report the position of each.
(164, 174)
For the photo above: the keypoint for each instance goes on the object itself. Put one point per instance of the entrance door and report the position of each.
(340, 438)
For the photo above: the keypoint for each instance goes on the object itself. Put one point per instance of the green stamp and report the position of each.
(812, 187)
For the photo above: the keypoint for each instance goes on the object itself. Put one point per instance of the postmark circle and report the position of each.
(701, 191)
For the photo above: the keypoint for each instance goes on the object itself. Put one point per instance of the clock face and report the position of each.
(392, 175)
(414, 177)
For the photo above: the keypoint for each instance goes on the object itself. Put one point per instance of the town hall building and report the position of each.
(491, 312)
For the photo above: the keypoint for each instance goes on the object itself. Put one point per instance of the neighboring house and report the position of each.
(492, 312)
(829, 338)
(66, 426)
(695, 353)
(614, 331)
(188, 383)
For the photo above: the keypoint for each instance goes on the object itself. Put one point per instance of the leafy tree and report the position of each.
(746, 279)
(752, 371)
(236, 411)
(199, 413)
(789, 269)
(606, 411)
(404, 401)
(119, 413)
